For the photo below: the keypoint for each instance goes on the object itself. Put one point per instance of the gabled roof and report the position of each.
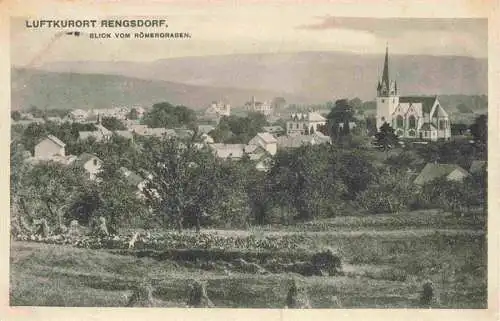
(433, 171)
(205, 129)
(427, 101)
(266, 137)
(131, 177)
(87, 134)
(477, 166)
(428, 126)
(228, 150)
(273, 129)
(314, 116)
(81, 160)
(56, 140)
(124, 134)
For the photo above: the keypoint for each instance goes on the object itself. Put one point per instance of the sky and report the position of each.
(256, 29)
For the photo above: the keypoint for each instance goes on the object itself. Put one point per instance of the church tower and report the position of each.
(387, 95)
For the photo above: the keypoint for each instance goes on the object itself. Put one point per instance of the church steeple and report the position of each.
(385, 75)
(384, 87)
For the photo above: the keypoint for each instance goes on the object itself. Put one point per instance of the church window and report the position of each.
(383, 100)
(399, 121)
(412, 122)
(297, 126)
(442, 124)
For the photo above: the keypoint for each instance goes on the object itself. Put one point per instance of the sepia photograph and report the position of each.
(272, 158)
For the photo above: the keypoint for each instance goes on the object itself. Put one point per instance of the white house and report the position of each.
(90, 163)
(49, 147)
(263, 107)
(218, 108)
(432, 171)
(78, 115)
(265, 140)
(304, 123)
(417, 117)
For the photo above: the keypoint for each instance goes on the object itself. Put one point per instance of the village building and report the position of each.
(265, 140)
(433, 171)
(478, 167)
(134, 180)
(124, 133)
(275, 130)
(100, 134)
(296, 141)
(77, 115)
(414, 117)
(263, 107)
(49, 147)
(218, 108)
(205, 129)
(90, 163)
(304, 123)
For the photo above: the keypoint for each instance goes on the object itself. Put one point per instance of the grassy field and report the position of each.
(382, 268)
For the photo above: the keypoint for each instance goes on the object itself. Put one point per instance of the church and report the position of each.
(414, 117)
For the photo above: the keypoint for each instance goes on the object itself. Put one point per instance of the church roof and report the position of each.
(427, 101)
(427, 126)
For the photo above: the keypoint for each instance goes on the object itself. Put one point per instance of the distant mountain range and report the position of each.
(58, 90)
(316, 76)
(307, 77)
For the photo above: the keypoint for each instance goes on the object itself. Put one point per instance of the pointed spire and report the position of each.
(385, 74)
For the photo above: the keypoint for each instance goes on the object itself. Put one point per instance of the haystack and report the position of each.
(198, 297)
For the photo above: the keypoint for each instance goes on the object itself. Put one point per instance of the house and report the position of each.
(264, 107)
(275, 130)
(218, 108)
(304, 123)
(55, 119)
(101, 133)
(295, 141)
(90, 163)
(433, 171)
(134, 180)
(205, 129)
(265, 140)
(230, 151)
(78, 115)
(478, 166)
(207, 139)
(414, 117)
(50, 146)
(125, 134)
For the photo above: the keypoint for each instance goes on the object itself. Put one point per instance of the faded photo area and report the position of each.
(225, 160)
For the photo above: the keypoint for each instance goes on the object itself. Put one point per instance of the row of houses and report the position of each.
(53, 149)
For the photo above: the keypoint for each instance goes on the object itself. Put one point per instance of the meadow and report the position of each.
(385, 260)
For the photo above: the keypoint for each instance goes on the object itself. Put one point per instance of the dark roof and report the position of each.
(427, 126)
(432, 171)
(427, 101)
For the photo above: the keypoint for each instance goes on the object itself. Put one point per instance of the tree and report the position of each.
(15, 115)
(480, 130)
(182, 178)
(386, 139)
(112, 123)
(462, 108)
(341, 113)
(166, 115)
(133, 114)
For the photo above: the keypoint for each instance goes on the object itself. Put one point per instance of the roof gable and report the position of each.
(433, 171)
(427, 101)
(56, 140)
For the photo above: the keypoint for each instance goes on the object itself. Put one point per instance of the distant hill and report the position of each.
(315, 76)
(69, 90)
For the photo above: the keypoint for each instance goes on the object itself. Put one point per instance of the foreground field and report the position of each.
(385, 268)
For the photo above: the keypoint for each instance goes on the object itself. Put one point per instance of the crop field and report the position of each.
(385, 260)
